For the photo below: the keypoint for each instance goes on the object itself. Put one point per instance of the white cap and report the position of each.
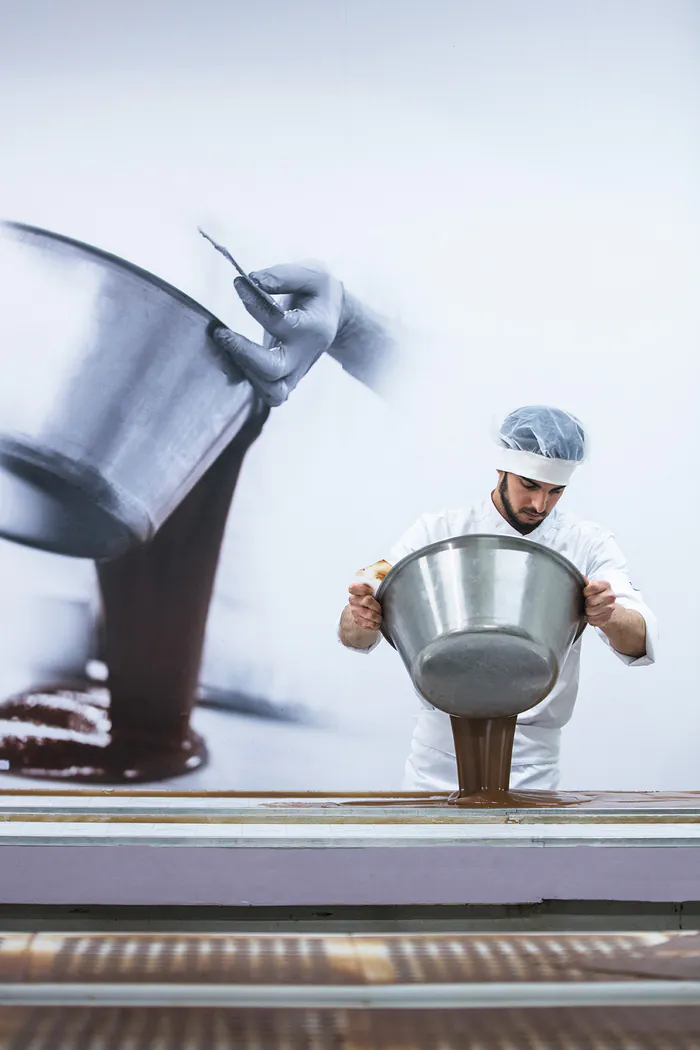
(537, 468)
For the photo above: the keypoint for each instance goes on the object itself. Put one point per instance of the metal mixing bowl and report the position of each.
(483, 623)
(114, 400)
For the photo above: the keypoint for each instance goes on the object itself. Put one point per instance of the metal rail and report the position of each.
(396, 996)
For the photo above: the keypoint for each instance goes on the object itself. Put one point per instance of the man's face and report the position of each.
(525, 503)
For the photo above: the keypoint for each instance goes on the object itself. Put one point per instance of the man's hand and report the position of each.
(364, 607)
(625, 629)
(313, 306)
(600, 603)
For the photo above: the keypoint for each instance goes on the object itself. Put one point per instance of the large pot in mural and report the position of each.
(115, 401)
(122, 435)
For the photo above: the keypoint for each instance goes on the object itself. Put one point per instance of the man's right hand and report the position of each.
(313, 313)
(364, 607)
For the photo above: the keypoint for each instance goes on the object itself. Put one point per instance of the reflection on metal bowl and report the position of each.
(483, 623)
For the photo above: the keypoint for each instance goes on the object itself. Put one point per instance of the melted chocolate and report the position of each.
(593, 800)
(155, 605)
(598, 801)
(483, 748)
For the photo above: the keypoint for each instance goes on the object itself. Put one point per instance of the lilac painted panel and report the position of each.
(378, 875)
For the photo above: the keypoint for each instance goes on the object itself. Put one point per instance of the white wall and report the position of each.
(516, 182)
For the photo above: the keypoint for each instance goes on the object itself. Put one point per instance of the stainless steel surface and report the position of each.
(114, 400)
(381, 835)
(483, 623)
(269, 822)
(603, 807)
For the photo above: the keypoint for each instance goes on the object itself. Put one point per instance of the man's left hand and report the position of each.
(600, 603)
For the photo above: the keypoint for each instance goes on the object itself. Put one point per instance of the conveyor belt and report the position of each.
(348, 959)
(498, 985)
(350, 992)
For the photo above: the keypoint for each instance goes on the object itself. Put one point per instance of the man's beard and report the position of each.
(523, 528)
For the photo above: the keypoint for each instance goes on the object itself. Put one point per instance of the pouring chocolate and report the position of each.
(486, 607)
(126, 417)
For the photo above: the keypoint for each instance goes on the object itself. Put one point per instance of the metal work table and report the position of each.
(117, 847)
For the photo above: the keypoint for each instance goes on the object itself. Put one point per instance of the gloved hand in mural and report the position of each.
(319, 317)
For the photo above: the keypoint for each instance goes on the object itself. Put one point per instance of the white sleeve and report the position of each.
(607, 562)
(420, 534)
(412, 540)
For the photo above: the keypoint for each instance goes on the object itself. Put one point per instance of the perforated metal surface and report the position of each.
(219, 1029)
(220, 959)
(537, 957)
(14, 955)
(309, 959)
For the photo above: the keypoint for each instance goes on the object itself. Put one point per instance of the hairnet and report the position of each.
(542, 443)
(546, 431)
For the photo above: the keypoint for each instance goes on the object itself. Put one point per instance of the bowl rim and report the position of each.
(488, 539)
(23, 231)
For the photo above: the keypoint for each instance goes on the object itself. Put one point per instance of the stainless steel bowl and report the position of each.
(114, 401)
(483, 623)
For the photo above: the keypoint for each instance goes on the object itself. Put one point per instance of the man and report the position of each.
(539, 449)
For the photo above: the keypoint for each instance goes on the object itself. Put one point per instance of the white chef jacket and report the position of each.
(431, 764)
